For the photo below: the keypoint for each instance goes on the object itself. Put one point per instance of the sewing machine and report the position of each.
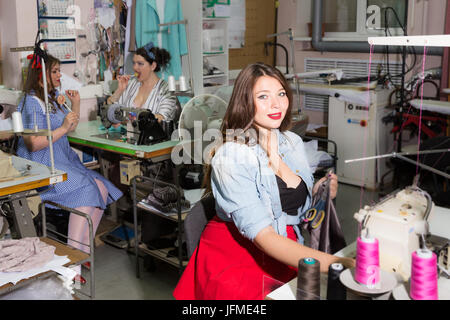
(398, 222)
(144, 130)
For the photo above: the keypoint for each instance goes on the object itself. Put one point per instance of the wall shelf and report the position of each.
(209, 44)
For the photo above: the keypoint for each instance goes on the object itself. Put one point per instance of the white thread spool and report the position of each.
(17, 123)
(424, 253)
(366, 237)
(182, 82)
(171, 83)
(337, 266)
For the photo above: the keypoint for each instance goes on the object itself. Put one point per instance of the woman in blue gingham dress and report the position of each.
(85, 190)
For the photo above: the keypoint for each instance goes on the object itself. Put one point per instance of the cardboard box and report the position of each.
(128, 170)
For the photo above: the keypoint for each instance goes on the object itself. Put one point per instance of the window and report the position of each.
(358, 19)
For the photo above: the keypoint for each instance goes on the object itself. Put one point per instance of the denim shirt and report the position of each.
(245, 187)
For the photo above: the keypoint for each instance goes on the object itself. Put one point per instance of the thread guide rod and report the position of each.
(401, 155)
(44, 77)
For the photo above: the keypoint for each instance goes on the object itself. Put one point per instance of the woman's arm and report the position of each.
(167, 108)
(36, 143)
(290, 252)
(123, 83)
(74, 97)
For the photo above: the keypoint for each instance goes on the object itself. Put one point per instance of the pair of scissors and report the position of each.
(314, 217)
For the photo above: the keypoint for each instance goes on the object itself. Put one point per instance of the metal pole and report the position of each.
(395, 154)
(135, 222)
(291, 40)
(49, 129)
(296, 82)
(402, 156)
(424, 166)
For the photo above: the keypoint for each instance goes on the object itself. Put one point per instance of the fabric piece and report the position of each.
(227, 266)
(159, 101)
(7, 169)
(328, 236)
(80, 188)
(24, 254)
(56, 264)
(173, 37)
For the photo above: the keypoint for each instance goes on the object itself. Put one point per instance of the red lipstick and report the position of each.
(275, 116)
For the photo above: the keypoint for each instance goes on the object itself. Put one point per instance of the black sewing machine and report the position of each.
(145, 125)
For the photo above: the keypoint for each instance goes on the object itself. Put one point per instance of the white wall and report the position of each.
(18, 28)
(9, 39)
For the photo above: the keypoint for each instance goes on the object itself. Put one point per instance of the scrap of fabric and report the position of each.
(24, 254)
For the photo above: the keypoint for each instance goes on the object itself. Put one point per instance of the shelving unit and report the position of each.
(162, 254)
(141, 248)
(209, 42)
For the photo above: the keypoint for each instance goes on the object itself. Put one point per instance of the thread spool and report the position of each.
(171, 83)
(367, 269)
(335, 289)
(168, 127)
(308, 279)
(424, 276)
(182, 82)
(17, 123)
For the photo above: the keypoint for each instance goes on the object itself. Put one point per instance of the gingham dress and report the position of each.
(80, 188)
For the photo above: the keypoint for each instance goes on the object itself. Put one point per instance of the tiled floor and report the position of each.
(116, 272)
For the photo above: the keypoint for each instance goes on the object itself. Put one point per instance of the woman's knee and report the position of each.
(103, 190)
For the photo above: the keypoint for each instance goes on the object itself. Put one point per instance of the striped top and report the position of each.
(159, 101)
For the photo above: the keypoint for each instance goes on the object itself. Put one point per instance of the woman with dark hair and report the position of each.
(262, 185)
(146, 90)
(84, 190)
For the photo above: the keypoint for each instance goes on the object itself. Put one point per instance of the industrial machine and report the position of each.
(399, 222)
(145, 128)
(358, 129)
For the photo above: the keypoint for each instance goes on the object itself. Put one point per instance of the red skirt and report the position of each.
(227, 266)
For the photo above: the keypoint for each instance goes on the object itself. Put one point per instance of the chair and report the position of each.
(324, 167)
(196, 220)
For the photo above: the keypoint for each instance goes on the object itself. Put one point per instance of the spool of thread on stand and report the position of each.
(308, 279)
(335, 289)
(424, 276)
(171, 83)
(17, 123)
(182, 82)
(367, 269)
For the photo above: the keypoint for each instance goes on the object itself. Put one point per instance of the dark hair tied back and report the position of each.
(162, 57)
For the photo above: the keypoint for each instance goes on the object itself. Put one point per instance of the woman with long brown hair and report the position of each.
(262, 184)
(84, 189)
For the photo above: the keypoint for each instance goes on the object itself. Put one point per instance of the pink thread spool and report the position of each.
(424, 277)
(367, 269)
